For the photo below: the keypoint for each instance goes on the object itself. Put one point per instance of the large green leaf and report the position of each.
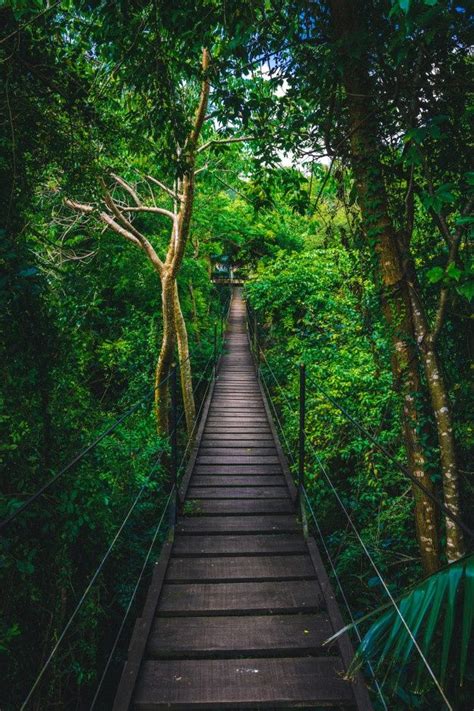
(439, 613)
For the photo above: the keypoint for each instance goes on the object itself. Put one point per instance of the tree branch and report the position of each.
(128, 188)
(223, 141)
(203, 99)
(141, 240)
(110, 222)
(164, 187)
(149, 208)
(79, 206)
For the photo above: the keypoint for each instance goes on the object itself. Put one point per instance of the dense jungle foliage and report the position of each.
(333, 170)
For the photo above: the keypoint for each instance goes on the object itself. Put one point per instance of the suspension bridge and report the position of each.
(240, 603)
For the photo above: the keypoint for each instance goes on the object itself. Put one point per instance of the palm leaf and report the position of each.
(439, 612)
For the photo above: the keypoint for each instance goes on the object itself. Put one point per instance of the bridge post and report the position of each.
(301, 437)
(215, 348)
(174, 442)
(254, 333)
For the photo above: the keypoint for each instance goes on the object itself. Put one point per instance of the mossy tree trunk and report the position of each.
(396, 303)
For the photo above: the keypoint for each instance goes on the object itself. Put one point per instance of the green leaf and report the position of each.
(466, 290)
(435, 275)
(429, 608)
(454, 272)
(468, 617)
(465, 220)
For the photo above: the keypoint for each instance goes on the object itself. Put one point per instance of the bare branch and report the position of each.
(139, 238)
(203, 100)
(164, 187)
(128, 188)
(200, 170)
(149, 208)
(79, 206)
(109, 220)
(115, 209)
(223, 141)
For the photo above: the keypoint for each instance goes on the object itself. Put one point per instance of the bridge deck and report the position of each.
(240, 603)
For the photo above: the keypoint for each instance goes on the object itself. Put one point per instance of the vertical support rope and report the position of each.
(174, 443)
(301, 433)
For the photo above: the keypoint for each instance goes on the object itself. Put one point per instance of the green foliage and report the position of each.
(439, 612)
(109, 87)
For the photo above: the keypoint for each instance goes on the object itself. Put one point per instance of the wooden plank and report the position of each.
(238, 400)
(243, 683)
(232, 403)
(226, 481)
(243, 507)
(234, 408)
(238, 636)
(234, 390)
(237, 410)
(263, 544)
(238, 469)
(237, 459)
(235, 451)
(238, 492)
(344, 643)
(229, 568)
(238, 598)
(236, 441)
(238, 524)
(142, 629)
(237, 419)
(240, 430)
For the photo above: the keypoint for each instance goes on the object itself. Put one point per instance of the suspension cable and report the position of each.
(196, 419)
(131, 600)
(80, 455)
(379, 575)
(343, 595)
(435, 499)
(88, 588)
(447, 512)
(371, 560)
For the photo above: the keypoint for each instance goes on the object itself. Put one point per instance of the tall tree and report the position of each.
(118, 217)
(402, 307)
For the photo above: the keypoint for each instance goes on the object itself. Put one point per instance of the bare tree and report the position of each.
(118, 215)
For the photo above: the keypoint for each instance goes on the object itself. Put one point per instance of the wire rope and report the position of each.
(343, 595)
(80, 455)
(367, 552)
(130, 602)
(87, 590)
(379, 575)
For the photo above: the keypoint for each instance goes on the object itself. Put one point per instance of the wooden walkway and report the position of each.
(239, 603)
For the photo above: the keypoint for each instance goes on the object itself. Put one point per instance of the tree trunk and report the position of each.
(379, 230)
(442, 412)
(184, 363)
(165, 359)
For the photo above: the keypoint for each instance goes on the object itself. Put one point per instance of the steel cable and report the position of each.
(88, 589)
(132, 598)
(362, 543)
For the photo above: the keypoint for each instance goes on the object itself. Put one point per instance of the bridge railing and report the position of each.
(54, 519)
(314, 481)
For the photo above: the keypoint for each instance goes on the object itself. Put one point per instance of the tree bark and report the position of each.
(184, 363)
(396, 305)
(442, 412)
(166, 357)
